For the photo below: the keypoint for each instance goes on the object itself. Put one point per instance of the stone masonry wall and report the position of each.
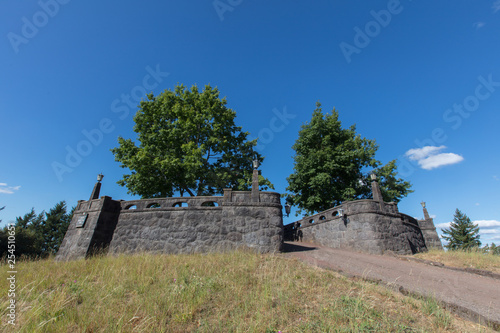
(430, 234)
(178, 225)
(100, 216)
(368, 226)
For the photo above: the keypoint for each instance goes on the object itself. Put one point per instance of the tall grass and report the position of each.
(474, 258)
(231, 292)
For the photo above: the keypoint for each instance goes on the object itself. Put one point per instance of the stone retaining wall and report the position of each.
(367, 226)
(176, 225)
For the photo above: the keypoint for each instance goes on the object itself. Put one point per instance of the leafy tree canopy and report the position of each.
(188, 142)
(332, 163)
(462, 234)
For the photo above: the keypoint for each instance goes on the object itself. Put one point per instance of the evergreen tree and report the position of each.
(39, 235)
(332, 165)
(55, 227)
(462, 234)
(29, 234)
(494, 249)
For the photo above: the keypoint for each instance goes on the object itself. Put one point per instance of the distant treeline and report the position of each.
(37, 235)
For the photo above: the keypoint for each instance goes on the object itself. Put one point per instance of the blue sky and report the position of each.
(422, 78)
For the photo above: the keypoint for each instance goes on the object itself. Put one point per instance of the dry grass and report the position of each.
(231, 292)
(464, 259)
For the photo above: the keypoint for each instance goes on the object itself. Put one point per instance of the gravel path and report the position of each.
(474, 297)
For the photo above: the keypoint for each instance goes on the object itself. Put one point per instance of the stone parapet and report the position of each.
(366, 226)
(176, 225)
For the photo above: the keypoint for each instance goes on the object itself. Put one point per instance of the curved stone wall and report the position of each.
(367, 226)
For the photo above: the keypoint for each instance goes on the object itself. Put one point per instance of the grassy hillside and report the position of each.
(232, 292)
(464, 259)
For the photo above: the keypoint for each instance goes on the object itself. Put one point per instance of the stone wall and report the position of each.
(176, 225)
(367, 226)
(238, 219)
(99, 218)
(430, 234)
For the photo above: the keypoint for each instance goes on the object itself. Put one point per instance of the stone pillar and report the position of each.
(426, 213)
(255, 185)
(91, 228)
(429, 231)
(377, 194)
(228, 193)
(95, 191)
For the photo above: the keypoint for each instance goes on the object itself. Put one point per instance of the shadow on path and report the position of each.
(294, 247)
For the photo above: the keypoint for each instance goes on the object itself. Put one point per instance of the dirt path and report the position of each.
(472, 296)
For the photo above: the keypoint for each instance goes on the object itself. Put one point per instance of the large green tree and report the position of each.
(188, 143)
(462, 234)
(332, 165)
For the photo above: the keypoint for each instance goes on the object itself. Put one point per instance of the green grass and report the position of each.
(464, 259)
(231, 292)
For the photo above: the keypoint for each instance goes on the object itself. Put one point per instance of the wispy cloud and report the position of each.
(429, 157)
(479, 25)
(420, 153)
(489, 231)
(4, 188)
(479, 223)
(496, 178)
(496, 6)
(439, 160)
(443, 225)
(487, 223)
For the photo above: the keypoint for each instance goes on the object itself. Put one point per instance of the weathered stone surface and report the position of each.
(429, 231)
(96, 233)
(233, 222)
(368, 226)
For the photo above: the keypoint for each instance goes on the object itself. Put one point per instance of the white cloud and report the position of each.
(479, 223)
(489, 231)
(439, 160)
(487, 223)
(8, 189)
(496, 6)
(443, 225)
(479, 25)
(429, 157)
(496, 178)
(416, 154)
